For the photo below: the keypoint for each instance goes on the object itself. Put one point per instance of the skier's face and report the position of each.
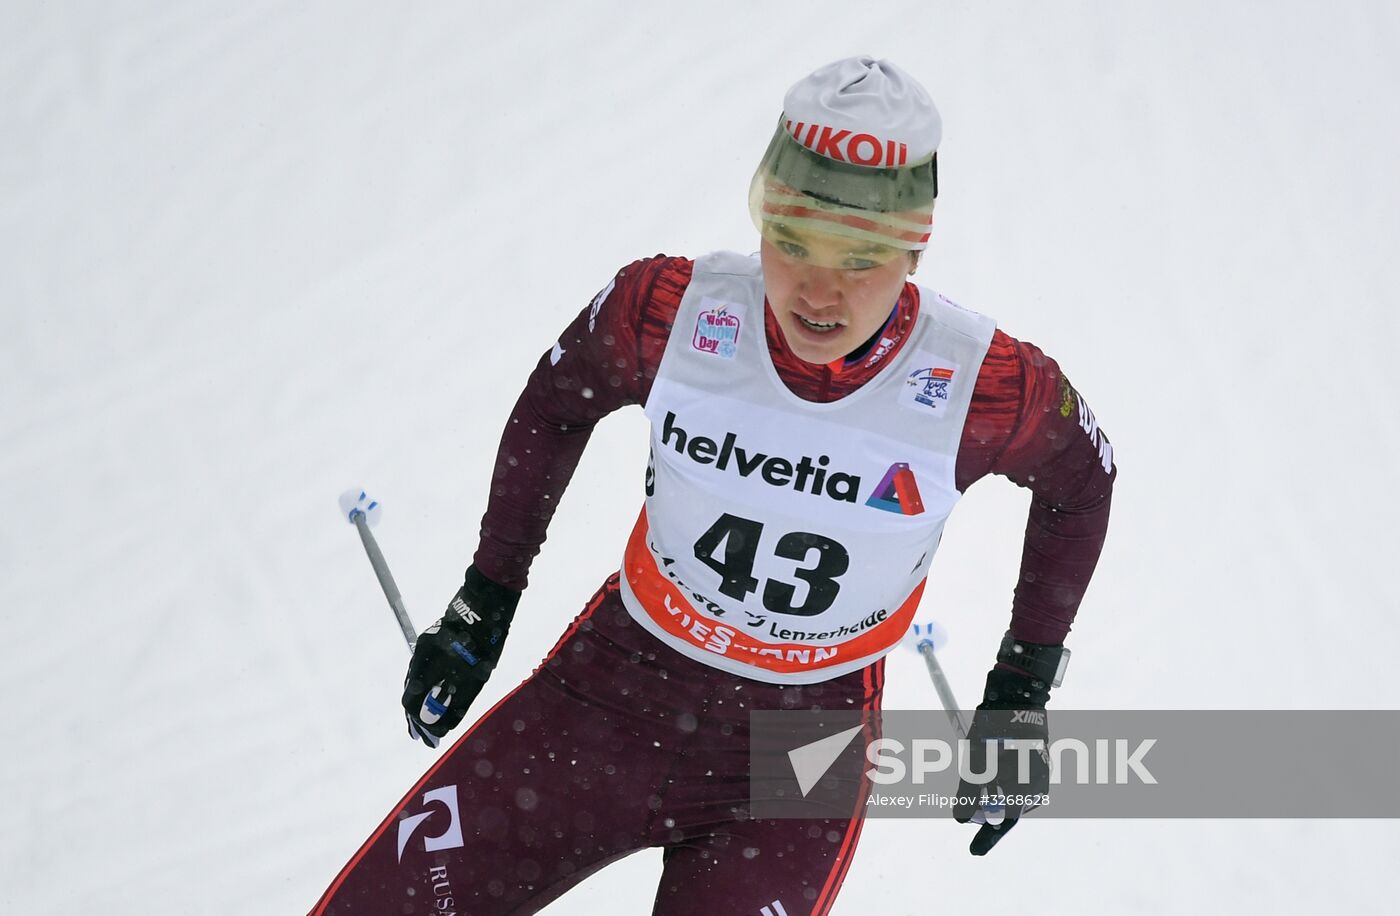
(826, 312)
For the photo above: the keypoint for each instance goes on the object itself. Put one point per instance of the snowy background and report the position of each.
(252, 254)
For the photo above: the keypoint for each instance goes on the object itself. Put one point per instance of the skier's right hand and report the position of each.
(454, 657)
(1011, 728)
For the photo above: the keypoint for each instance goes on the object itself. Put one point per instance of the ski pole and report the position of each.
(363, 513)
(940, 684)
(991, 815)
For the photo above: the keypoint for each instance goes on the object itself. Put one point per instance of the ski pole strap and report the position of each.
(1042, 662)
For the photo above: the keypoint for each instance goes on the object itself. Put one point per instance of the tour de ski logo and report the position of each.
(897, 491)
(717, 330)
(928, 388)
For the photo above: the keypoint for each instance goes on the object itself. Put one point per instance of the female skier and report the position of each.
(814, 418)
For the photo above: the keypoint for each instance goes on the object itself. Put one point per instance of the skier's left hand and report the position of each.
(454, 657)
(1010, 733)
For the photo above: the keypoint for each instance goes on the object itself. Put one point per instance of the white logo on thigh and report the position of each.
(451, 838)
(774, 909)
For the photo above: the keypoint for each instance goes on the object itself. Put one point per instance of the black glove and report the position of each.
(454, 657)
(1012, 708)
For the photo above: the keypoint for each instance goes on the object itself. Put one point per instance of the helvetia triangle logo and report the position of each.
(897, 491)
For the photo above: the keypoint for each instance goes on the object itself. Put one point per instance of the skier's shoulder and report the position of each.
(1013, 373)
(1003, 381)
(952, 317)
(730, 263)
(645, 292)
(660, 279)
(1022, 404)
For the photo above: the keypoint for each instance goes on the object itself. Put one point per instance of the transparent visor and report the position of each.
(835, 214)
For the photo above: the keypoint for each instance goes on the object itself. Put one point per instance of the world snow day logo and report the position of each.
(717, 331)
